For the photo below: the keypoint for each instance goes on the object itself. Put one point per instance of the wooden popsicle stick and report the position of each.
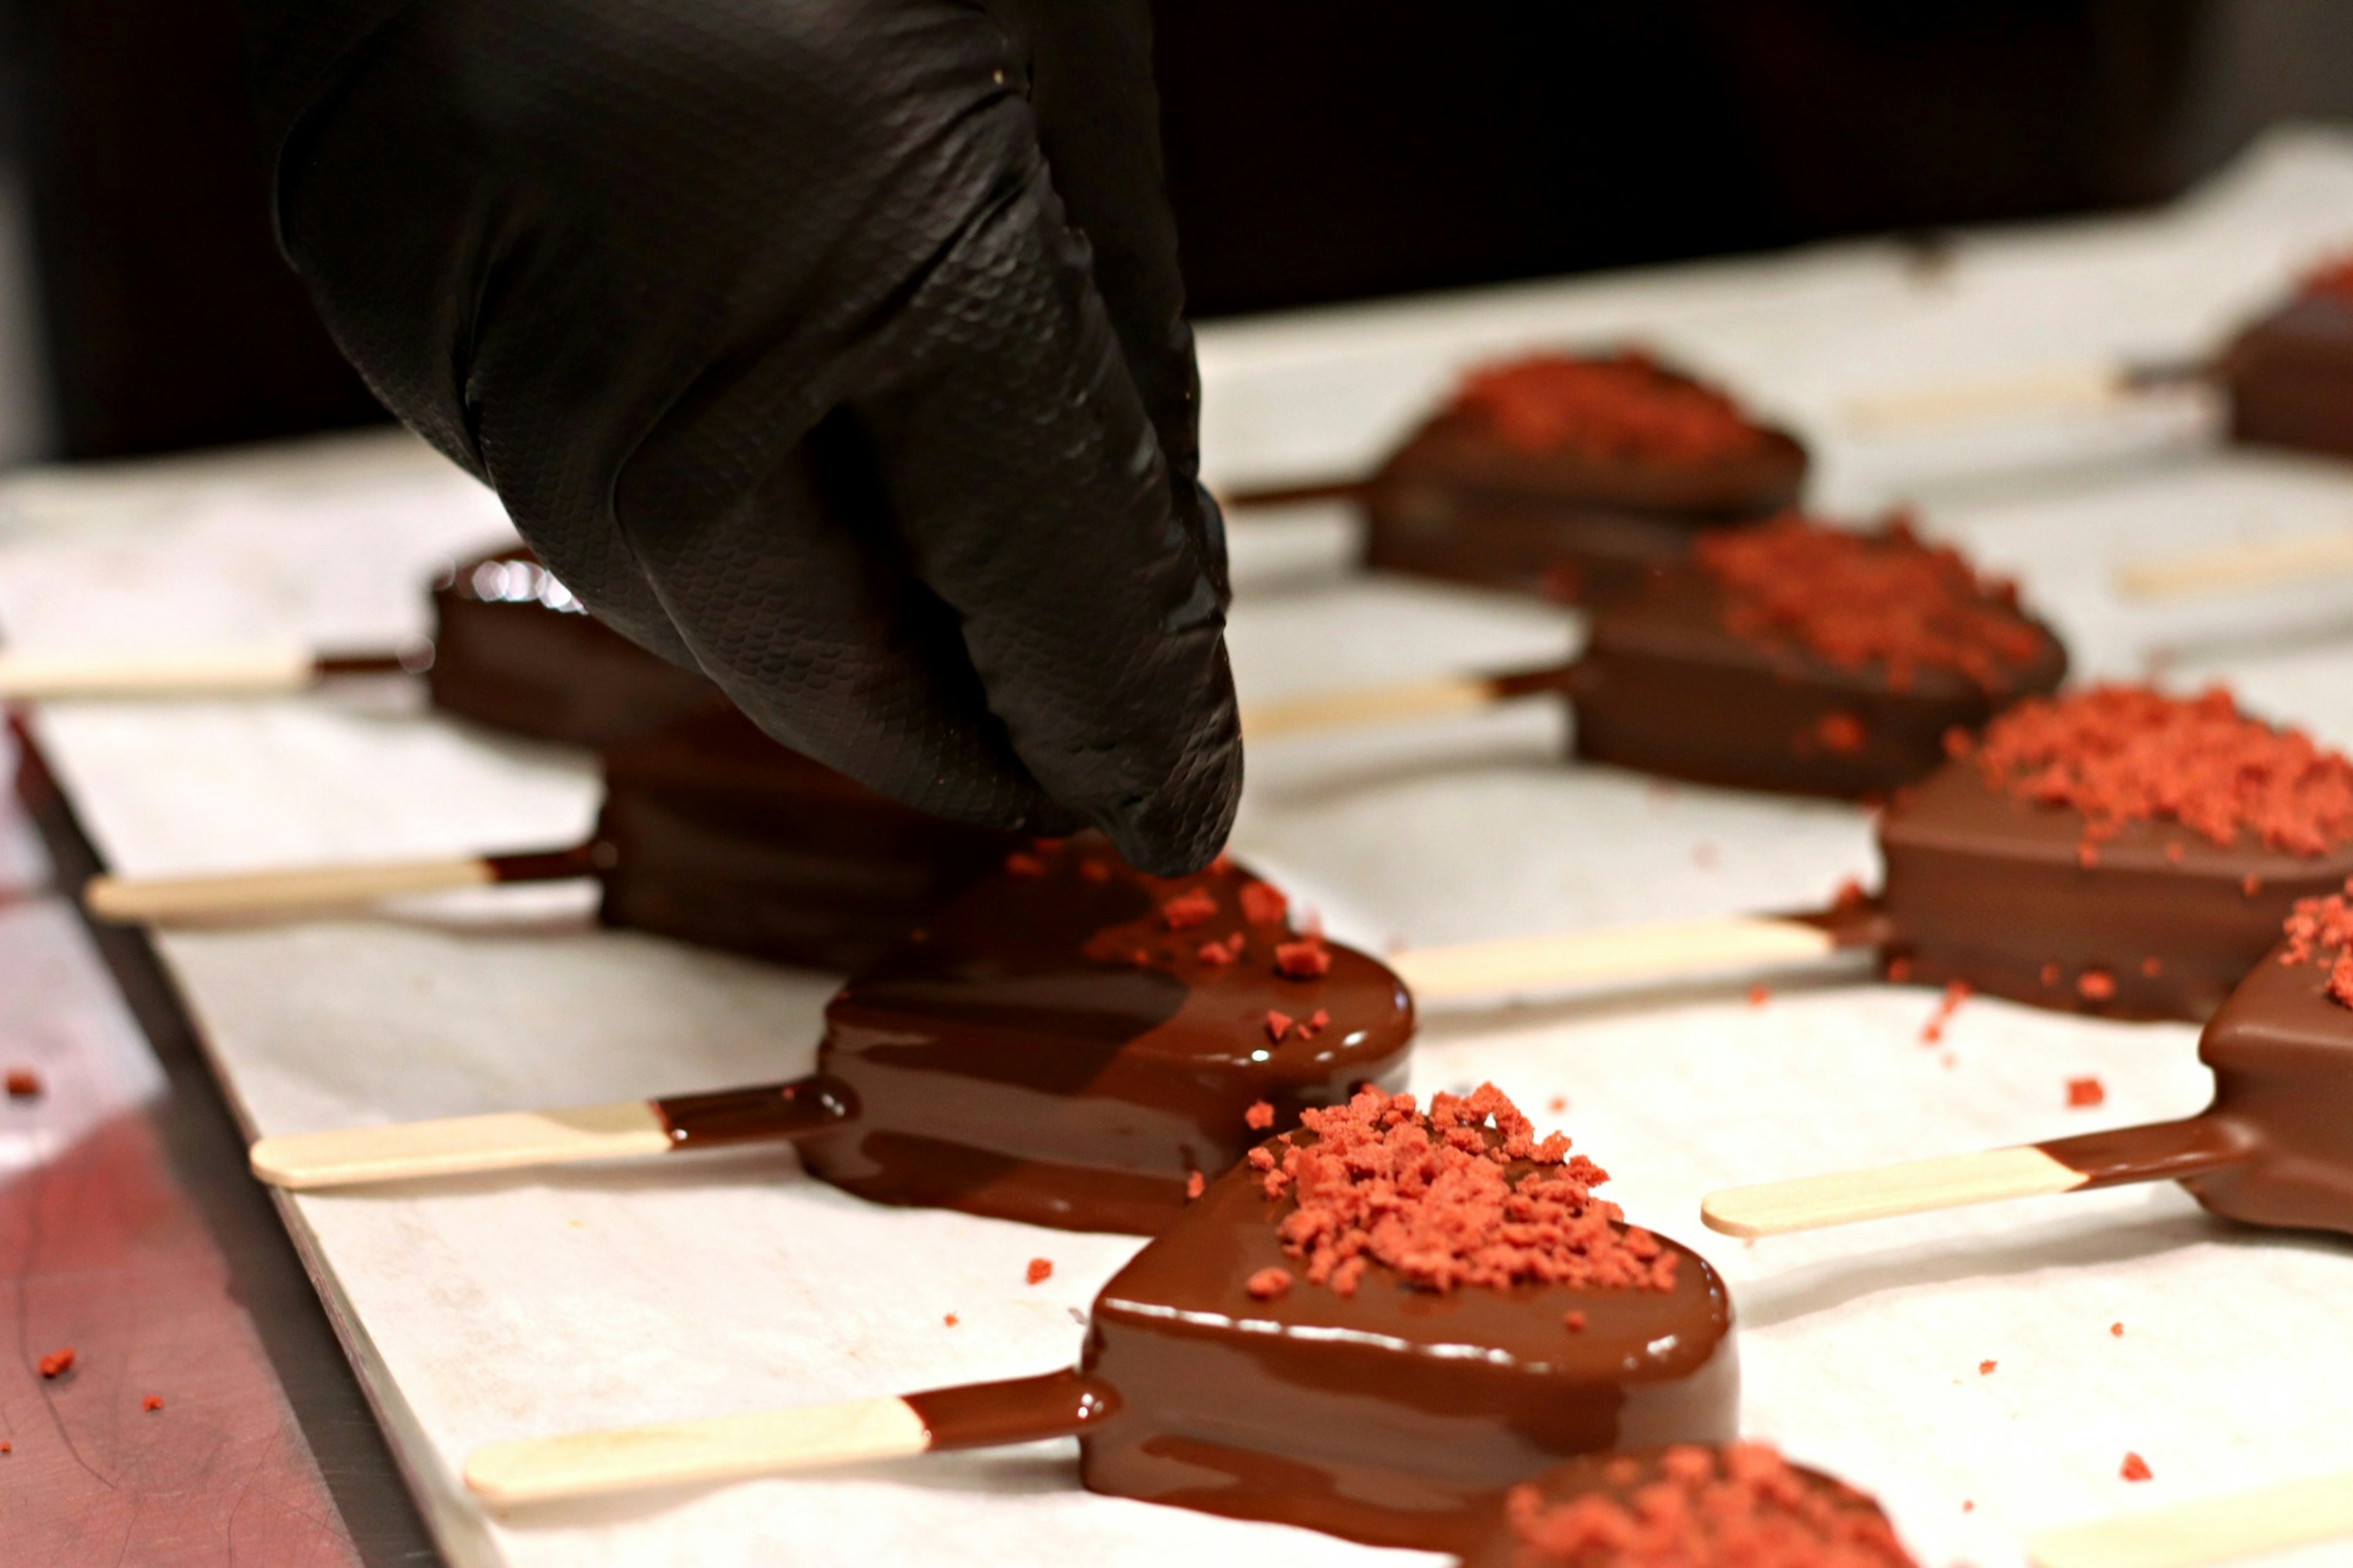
(255, 671)
(355, 1156)
(156, 900)
(2237, 567)
(689, 1453)
(1368, 705)
(1919, 1186)
(1961, 402)
(2217, 1530)
(1659, 950)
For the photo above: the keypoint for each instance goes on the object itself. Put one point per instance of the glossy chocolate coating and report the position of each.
(1017, 1410)
(2282, 1051)
(1456, 502)
(1985, 887)
(2289, 377)
(1665, 686)
(1016, 1060)
(513, 649)
(1392, 1417)
(1620, 1476)
(718, 835)
(755, 1115)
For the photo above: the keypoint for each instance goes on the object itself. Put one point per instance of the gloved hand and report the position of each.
(833, 346)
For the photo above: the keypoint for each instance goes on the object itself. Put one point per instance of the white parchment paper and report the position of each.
(488, 1309)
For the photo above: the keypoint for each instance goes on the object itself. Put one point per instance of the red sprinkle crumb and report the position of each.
(152, 1402)
(1622, 407)
(24, 1083)
(1314, 1023)
(2174, 852)
(1094, 870)
(2121, 754)
(1758, 996)
(2250, 884)
(2050, 974)
(1742, 1503)
(1022, 864)
(1195, 1185)
(1040, 1270)
(58, 1361)
(1189, 907)
(2085, 1091)
(950, 1319)
(2096, 985)
(1462, 1195)
(1968, 1505)
(2151, 968)
(6, 1448)
(2118, 1330)
(1573, 1321)
(1260, 1115)
(1268, 1283)
(1955, 993)
(1278, 1025)
(1556, 1104)
(1899, 970)
(2134, 1468)
(1840, 734)
(1306, 959)
(1850, 895)
(1984, 1367)
(1263, 903)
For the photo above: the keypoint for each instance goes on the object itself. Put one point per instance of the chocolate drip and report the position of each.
(1992, 890)
(1554, 677)
(1393, 1416)
(2159, 1152)
(1017, 1410)
(591, 859)
(764, 1111)
(413, 660)
(1860, 923)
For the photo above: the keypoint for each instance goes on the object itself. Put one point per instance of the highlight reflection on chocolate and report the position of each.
(1500, 490)
(1058, 1047)
(1393, 1416)
(513, 649)
(714, 834)
(1687, 678)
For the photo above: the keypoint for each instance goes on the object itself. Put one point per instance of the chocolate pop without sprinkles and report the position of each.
(511, 649)
(1566, 474)
(1793, 656)
(2275, 1147)
(1070, 1043)
(1293, 1349)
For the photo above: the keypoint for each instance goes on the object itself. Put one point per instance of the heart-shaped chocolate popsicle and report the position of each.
(1794, 656)
(1371, 1329)
(1735, 1505)
(1070, 1043)
(2275, 1147)
(1570, 475)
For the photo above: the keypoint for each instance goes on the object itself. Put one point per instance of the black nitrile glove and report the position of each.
(835, 346)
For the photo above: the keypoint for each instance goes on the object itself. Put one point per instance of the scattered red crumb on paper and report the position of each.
(152, 1402)
(2134, 1468)
(2085, 1091)
(950, 1319)
(1556, 1104)
(1040, 1270)
(56, 1362)
(1968, 1505)
(1955, 993)
(1758, 996)
(1268, 1283)
(2118, 1330)
(1260, 1115)
(1985, 1366)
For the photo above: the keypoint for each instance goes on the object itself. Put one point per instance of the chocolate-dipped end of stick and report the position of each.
(1736, 1505)
(722, 838)
(1800, 658)
(2115, 851)
(2289, 375)
(1279, 1358)
(1574, 477)
(513, 648)
(1074, 1044)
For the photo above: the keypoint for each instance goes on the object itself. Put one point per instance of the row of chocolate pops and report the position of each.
(1774, 638)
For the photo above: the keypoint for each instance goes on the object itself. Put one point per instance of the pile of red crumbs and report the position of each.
(1619, 408)
(2121, 754)
(1464, 1195)
(2320, 931)
(1863, 599)
(1744, 1507)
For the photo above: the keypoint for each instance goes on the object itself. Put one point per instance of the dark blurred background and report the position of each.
(1318, 150)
